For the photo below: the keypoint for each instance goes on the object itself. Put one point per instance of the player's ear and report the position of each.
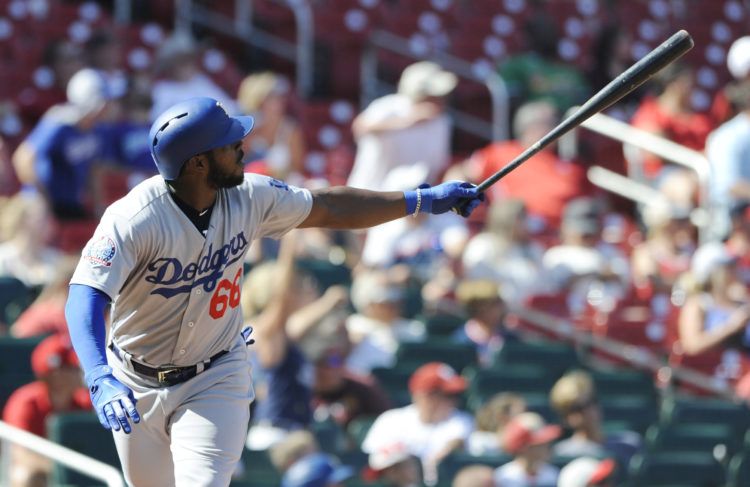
(197, 164)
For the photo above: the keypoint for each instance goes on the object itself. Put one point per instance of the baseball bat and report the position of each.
(632, 78)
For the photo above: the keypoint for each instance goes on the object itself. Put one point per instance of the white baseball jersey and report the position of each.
(175, 293)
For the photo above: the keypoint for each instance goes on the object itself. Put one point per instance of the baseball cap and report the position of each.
(707, 258)
(424, 79)
(738, 58)
(436, 377)
(52, 353)
(528, 429)
(585, 472)
(316, 470)
(88, 91)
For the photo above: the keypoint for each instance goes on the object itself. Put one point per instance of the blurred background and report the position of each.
(587, 326)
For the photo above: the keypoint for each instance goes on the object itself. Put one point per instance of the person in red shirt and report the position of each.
(58, 389)
(669, 113)
(545, 182)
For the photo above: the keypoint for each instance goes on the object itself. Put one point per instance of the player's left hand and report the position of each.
(246, 332)
(459, 196)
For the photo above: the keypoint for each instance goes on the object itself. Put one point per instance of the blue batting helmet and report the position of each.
(189, 128)
(316, 470)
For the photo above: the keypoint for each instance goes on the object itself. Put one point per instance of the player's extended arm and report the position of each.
(345, 207)
(112, 400)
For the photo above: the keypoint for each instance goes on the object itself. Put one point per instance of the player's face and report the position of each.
(225, 168)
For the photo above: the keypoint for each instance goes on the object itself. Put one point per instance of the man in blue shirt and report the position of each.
(59, 153)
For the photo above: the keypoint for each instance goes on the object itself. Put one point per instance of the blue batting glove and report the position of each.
(113, 401)
(459, 196)
(246, 335)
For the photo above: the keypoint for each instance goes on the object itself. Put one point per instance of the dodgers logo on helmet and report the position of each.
(100, 251)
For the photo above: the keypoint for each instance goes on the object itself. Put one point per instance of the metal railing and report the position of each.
(240, 26)
(638, 357)
(497, 129)
(70, 458)
(664, 148)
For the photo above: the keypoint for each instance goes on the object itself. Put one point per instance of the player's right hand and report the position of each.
(113, 402)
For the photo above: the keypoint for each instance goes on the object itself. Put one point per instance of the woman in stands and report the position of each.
(717, 312)
(276, 139)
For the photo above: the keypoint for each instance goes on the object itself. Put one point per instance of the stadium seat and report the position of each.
(556, 357)
(15, 297)
(676, 469)
(626, 412)
(686, 409)
(80, 431)
(326, 273)
(623, 381)
(715, 439)
(441, 324)
(15, 364)
(457, 355)
(522, 379)
(394, 381)
(258, 470)
(456, 461)
(739, 470)
(358, 428)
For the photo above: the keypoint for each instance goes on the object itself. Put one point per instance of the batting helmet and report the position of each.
(316, 470)
(189, 128)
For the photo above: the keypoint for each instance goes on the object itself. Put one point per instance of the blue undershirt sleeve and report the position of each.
(84, 312)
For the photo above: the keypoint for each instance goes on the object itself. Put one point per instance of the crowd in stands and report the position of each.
(385, 357)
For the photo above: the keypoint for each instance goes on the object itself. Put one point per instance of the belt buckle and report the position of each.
(163, 375)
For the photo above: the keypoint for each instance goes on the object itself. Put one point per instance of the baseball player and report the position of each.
(168, 260)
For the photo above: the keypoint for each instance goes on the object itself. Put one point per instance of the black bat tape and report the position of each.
(633, 77)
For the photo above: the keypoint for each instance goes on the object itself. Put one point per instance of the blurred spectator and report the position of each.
(378, 326)
(486, 310)
(724, 106)
(128, 142)
(25, 232)
(47, 313)
(491, 420)
(393, 466)
(728, 150)
(717, 310)
(317, 470)
(61, 59)
(539, 73)
(296, 445)
(547, 184)
(505, 252)
(276, 139)
(574, 399)
(340, 394)
(283, 305)
(528, 439)
(8, 181)
(179, 76)
(665, 254)
(583, 261)
(668, 112)
(405, 128)
(738, 240)
(58, 388)
(612, 55)
(475, 476)
(588, 472)
(58, 155)
(428, 246)
(432, 426)
(103, 52)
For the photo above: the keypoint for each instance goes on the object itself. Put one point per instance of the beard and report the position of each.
(220, 179)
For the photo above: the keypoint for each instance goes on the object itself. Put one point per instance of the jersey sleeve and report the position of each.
(279, 207)
(109, 257)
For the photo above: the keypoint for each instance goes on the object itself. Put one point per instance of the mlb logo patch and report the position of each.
(100, 251)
